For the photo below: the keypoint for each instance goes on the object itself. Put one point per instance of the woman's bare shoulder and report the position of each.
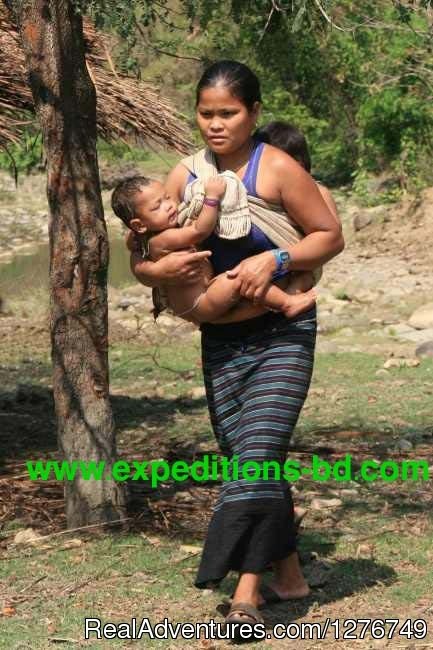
(281, 171)
(277, 160)
(176, 181)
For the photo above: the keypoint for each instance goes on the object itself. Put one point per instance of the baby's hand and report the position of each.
(215, 187)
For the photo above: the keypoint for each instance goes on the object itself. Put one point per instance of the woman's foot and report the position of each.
(289, 582)
(247, 590)
(295, 591)
(259, 600)
(299, 302)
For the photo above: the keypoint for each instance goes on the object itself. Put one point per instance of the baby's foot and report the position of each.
(297, 303)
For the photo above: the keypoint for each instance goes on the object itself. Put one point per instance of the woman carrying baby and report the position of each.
(257, 364)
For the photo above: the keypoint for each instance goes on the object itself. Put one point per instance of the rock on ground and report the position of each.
(422, 318)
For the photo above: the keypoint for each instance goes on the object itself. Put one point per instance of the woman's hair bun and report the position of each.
(237, 77)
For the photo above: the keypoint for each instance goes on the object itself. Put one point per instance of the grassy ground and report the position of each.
(369, 555)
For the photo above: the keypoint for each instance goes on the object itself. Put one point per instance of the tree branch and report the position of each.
(327, 18)
(271, 13)
(158, 51)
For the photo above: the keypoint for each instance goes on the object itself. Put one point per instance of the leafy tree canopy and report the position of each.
(355, 75)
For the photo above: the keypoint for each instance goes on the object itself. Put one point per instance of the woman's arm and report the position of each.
(176, 182)
(329, 199)
(178, 267)
(303, 202)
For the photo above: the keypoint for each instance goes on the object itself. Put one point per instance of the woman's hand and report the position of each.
(180, 267)
(132, 241)
(183, 266)
(255, 275)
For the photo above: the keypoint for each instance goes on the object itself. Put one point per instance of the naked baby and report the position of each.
(145, 207)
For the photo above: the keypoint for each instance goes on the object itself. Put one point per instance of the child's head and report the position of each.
(144, 205)
(287, 137)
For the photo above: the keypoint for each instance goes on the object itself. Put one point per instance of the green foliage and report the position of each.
(120, 152)
(121, 16)
(364, 187)
(341, 294)
(361, 93)
(25, 156)
(356, 77)
(392, 122)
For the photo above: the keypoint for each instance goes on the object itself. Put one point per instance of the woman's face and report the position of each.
(224, 121)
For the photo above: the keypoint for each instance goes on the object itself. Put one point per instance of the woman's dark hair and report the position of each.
(236, 77)
(287, 137)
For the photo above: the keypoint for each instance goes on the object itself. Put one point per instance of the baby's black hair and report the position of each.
(287, 137)
(123, 197)
(236, 77)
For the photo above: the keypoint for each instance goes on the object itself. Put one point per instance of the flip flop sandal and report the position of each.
(241, 613)
(230, 600)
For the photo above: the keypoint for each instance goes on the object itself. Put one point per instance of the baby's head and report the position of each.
(144, 205)
(287, 137)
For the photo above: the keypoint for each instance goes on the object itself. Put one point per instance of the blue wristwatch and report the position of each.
(283, 260)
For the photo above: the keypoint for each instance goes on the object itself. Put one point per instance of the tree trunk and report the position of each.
(65, 101)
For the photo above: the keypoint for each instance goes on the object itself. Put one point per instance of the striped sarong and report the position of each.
(256, 384)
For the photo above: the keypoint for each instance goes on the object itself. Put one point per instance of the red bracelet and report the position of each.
(213, 203)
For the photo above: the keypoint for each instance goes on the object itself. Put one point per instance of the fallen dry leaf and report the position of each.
(8, 611)
(401, 363)
(318, 504)
(51, 627)
(189, 549)
(154, 541)
(365, 550)
(26, 536)
(73, 543)
(208, 644)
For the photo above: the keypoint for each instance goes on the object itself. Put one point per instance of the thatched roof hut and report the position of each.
(126, 108)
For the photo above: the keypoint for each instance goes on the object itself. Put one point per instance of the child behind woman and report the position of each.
(288, 138)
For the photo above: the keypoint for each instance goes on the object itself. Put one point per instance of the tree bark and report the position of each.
(65, 102)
